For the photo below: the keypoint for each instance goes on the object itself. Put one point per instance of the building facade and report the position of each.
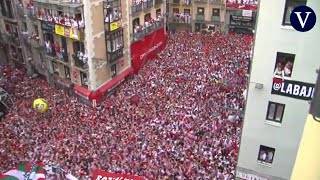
(196, 15)
(82, 46)
(13, 34)
(281, 85)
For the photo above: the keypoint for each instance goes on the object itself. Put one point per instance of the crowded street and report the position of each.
(185, 121)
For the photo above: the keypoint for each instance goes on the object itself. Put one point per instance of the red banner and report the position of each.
(147, 48)
(244, 5)
(103, 175)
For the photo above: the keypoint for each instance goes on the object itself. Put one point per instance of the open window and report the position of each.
(266, 155)
(284, 65)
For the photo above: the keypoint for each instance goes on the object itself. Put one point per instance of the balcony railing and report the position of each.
(200, 1)
(215, 18)
(179, 19)
(51, 52)
(146, 30)
(80, 62)
(200, 17)
(186, 2)
(174, 2)
(147, 5)
(115, 55)
(32, 14)
(216, 1)
(157, 2)
(20, 11)
(136, 8)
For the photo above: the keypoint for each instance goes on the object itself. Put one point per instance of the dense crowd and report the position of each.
(185, 125)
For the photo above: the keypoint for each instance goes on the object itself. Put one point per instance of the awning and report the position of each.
(82, 91)
(113, 82)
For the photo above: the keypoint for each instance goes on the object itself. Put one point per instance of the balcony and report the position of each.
(31, 12)
(178, 21)
(115, 55)
(200, 1)
(147, 5)
(175, 2)
(146, 30)
(200, 17)
(80, 60)
(215, 18)
(186, 2)
(137, 8)
(12, 38)
(158, 2)
(216, 1)
(68, 6)
(20, 11)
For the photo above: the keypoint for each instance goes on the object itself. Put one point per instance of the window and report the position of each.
(215, 12)
(135, 22)
(84, 79)
(175, 10)
(114, 41)
(200, 11)
(55, 68)
(78, 46)
(67, 72)
(64, 49)
(36, 29)
(187, 11)
(275, 113)
(266, 155)
(24, 26)
(113, 70)
(158, 11)
(290, 5)
(147, 17)
(9, 8)
(284, 65)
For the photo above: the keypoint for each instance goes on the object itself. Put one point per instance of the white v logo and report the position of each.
(302, 23)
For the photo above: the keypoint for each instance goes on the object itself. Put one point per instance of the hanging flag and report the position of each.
(17, 173)
(37, 173)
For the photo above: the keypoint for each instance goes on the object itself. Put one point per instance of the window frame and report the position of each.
(67, 72)
(175, 10)
(213, 14)
(266, 148)
(274, 117)
(198, 11)
(296, 3)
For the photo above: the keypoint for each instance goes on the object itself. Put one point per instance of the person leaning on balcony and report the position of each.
(48, 46)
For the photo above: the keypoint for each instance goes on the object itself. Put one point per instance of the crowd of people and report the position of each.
(184, 125)
(182, 17)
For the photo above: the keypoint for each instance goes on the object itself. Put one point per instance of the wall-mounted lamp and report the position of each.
(258, 86)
